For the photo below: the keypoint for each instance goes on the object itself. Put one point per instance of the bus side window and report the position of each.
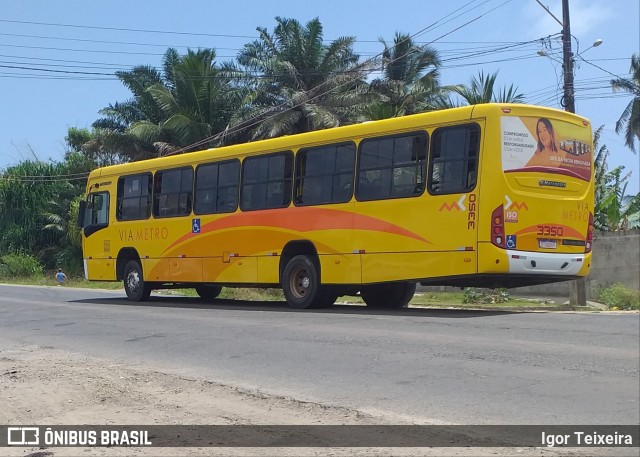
(266, 181)
(392, 166)
(134, 197)
(324, 174)
(172, 192)
(453, 159)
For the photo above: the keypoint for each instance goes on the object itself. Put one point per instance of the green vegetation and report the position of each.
(19, 265)
(629, 121)
(476, 296)
(481, 89)
(614, 209)
(618, 297)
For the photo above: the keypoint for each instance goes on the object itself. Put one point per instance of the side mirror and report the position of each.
(81, 212)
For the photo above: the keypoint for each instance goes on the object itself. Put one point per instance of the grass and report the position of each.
(427, 299)
(618, 297)
(70, 282)
(421, 299)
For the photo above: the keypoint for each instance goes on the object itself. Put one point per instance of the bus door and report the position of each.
(452, 206)
(93, 217)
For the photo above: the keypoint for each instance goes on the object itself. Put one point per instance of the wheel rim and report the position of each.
(133, 281)
(300, 283)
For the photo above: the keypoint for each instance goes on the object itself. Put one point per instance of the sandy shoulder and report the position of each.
(42, 385)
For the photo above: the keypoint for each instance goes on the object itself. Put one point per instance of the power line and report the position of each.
(33, 66)
(120, 29)
(127, 43)
(251, 124)
(55, 71)
(609, 73)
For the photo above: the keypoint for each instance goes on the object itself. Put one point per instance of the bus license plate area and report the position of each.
(547, 244)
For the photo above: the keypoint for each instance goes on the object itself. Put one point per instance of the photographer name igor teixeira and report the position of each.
(581, 438)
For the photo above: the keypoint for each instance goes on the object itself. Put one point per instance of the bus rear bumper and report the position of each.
(524, 262)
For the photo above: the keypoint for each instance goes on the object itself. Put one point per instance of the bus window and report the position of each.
(217, 187)
(99, 209)
(172, 192)
(325, 174)
(134, 197)
(96, 214)
(266, 182)
(392, 167)
(454, 159)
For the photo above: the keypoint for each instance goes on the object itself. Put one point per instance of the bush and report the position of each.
(618, 296)
(478, 296)
(20, 265)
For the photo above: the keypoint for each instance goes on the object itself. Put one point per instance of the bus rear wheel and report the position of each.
(208, 293)
(301, 285)
(134, 284)
(388, 296)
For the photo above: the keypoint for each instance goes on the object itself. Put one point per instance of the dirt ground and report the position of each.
(41, 385)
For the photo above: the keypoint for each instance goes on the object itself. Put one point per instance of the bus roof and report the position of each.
(343, 133)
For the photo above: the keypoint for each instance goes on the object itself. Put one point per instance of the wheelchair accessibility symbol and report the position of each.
(195, 226)
(511, 241)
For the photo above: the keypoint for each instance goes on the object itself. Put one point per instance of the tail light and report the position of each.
(497, 227)
(589, 241)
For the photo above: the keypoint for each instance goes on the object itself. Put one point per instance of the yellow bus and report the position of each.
(486, 196)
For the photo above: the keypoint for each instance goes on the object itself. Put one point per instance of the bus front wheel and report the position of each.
(392, 295)
(208, 293)
(301, 285)
(134, 284)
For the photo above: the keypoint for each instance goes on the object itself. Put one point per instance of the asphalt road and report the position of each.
(437, 366)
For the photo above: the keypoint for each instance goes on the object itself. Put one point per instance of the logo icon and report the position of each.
(510, 216)
(195, 225)
(511, 241)
(516, 205)
(458, 206)
(23, 436)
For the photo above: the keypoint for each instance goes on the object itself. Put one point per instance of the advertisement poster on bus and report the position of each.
(546, 145)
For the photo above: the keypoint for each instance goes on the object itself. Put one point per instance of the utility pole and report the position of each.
(567, 66)
(577, 288)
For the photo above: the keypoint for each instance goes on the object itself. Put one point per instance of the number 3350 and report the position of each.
(550, 230)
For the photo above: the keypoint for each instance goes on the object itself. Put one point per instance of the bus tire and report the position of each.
(208, 293)
(301, 285)
(388, 296)
(134, 284)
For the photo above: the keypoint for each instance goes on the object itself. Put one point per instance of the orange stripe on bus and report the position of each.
(303, 220)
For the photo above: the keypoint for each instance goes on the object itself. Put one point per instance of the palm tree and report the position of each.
(411, 79)
(298, 83)
(600, 179)
(184, 104)
(614, 209)
(630, 118)
(481, 89)
(617, 207)
(195, 100)
(111, 135)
